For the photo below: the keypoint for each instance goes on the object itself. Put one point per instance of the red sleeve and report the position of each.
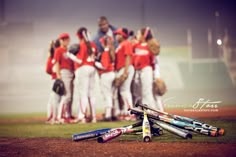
(82, 51)
(57, 56)
(135, 45)
(128, 48)
(95, 47)
(105, 59)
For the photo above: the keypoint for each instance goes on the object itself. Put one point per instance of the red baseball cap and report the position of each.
(64, 36)
(122, 31)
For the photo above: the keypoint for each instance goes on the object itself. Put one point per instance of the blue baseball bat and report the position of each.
(90, 134)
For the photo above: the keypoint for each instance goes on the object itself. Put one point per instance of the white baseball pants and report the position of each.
(85, 82)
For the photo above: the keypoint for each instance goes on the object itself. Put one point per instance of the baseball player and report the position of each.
(85, 75)
(162, 87)
(145, 37)
(64, 71)
(143, 61)
(106, 29)
(124, 69)
(107, 75)
(54, 98)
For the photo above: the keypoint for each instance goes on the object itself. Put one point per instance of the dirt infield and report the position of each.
(64, 147)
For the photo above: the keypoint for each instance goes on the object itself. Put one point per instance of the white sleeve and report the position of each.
(73, 58)
(99, 65)
(157, 73)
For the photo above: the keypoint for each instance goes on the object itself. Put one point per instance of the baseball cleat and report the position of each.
(77, 120)
(113, 118)
(106, 120)
(94, 120)
(68, 120)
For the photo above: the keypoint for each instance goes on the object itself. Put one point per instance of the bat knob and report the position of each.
(189, 136)
(213, 133)
(100, 140)
(221, 132)
(147, 139)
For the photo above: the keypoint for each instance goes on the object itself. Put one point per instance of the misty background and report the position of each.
(191, 71)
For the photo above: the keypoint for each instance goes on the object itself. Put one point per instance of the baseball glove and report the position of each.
(58, 87)
(120, 80)
(159, 87)
(154, 46)
(74, 49)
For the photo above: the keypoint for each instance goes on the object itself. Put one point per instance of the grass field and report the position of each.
(177, 52)
(28, 135)
(40, 129)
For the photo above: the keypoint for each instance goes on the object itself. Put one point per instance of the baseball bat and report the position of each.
(90, 134)
(114, 134)
(195, 122)
(97, 133)
(172, 129)
(146, 128)
(117, 132)
(155, 131)
(178, 131)
(177, 123)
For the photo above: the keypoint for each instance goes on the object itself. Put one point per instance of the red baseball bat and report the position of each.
(114, 133)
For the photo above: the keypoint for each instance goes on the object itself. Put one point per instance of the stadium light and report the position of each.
(219, 42)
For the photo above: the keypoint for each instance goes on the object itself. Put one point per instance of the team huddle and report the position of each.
(128, 69)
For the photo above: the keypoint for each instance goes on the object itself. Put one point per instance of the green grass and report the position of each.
(175, 52)
(37, 129)
(12, 116)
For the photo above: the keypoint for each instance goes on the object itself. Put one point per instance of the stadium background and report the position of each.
(26, 27)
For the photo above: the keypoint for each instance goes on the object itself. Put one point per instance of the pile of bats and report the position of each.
(152, 123)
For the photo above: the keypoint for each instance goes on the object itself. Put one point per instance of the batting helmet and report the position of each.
(74, 49)
(58, 87)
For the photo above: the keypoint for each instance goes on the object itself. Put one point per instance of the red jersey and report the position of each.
(106, 63)
(124, 49)
(49, 67)
(84, 56)
(142, 56)
(61, 57)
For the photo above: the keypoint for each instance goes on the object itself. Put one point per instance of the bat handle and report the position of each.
(137, 124)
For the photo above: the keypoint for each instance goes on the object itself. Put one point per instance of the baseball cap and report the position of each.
(64, 36)
(122, 31)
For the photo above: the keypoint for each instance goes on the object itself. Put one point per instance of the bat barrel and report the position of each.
(147, 139)
(172, 129)
(109, 136)
(89, 135)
